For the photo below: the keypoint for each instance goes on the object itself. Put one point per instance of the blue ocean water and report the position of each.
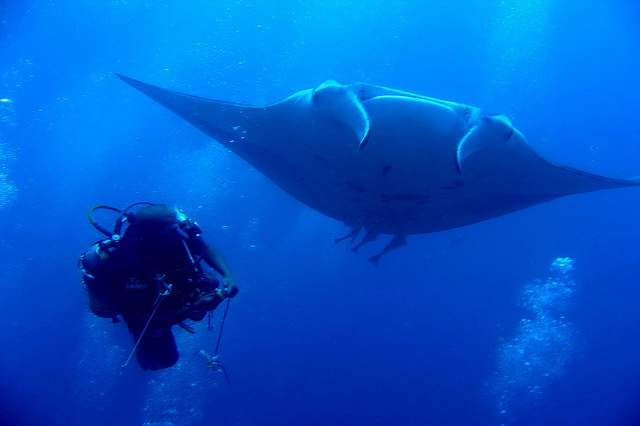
(466, 326)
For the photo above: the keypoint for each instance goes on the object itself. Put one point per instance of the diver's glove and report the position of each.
(231, 293)
(228, 288)
(205, 303)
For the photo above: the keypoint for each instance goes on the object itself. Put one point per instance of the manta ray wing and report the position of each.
(496, 159)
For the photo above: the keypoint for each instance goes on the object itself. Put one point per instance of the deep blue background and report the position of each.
(317, 336)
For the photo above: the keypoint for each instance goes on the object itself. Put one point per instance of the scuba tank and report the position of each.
(98, 264)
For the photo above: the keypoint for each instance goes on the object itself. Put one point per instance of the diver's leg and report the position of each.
(157, 348)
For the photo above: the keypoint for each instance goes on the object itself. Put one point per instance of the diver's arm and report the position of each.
(217, 262)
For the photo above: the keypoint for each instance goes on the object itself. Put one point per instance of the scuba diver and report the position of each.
(148, 271)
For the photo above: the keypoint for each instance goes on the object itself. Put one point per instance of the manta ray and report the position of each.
(384, 161)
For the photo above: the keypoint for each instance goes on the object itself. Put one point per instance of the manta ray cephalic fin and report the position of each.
(339, 102)
(486, 133)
